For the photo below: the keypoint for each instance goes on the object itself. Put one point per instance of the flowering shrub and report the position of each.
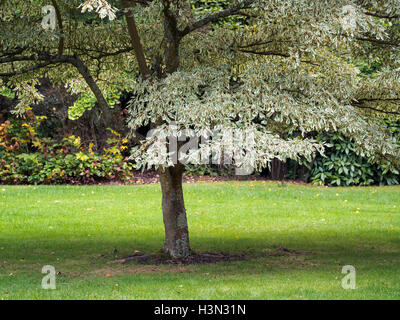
(27, 158)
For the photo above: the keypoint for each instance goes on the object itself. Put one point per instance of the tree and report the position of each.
(264, 68)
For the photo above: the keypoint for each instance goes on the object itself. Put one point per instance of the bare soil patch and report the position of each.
(196, 258)
(132, 269)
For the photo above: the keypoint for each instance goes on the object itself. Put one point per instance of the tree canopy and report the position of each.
(270, 66)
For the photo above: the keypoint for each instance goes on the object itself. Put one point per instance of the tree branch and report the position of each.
(234, 10)
(382, 15)
(25, 70)
(272, 53)
(264, 53)
(172, 39)
(135, 40)
(395, 43)
(84, 71)
(379, 99)
(17, 59)
(360, 104)
(60, 26)
(78, 64)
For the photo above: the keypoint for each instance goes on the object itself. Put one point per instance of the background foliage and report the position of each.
(345, 165)
(27, 157)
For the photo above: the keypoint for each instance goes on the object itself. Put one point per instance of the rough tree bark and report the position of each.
(174, 213)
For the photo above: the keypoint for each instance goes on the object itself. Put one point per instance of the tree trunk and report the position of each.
(174, 213)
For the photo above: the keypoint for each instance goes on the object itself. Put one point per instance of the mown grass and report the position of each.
(79, 230)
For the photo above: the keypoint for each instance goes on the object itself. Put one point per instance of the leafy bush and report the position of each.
(87, 101)
(344, 165)
(27, 158)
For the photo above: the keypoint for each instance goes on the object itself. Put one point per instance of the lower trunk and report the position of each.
(174, 213)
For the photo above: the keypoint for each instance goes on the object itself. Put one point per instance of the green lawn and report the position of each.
(79, 230)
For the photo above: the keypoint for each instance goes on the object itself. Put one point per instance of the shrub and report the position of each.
(27, 158)
(345, 166)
